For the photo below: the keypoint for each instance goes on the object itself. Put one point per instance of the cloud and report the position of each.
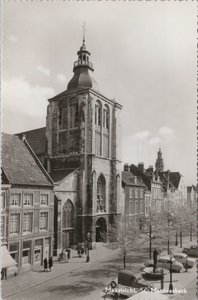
(43, 70)
(155, 140)
(61, 78)
(12, 39)
(19, 96)
(166, 133)
(142, 135)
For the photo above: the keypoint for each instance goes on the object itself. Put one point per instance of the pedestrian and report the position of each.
(65, 255)
(45, 264)
(50, 262)
(78, 250)
(155, 254)
(82, 251)
(68, 254)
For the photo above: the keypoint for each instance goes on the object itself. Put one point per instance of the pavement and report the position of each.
(33, 278)
(102, 268)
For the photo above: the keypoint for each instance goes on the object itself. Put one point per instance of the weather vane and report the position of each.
(84, 30)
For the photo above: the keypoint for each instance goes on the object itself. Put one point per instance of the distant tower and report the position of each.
(159, 165)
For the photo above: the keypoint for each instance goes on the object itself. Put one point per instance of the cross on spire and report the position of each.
(84, 30)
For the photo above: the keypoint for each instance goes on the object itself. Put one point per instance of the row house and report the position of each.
(134, 196)
(154, 194)
(192, 193)
(27, 207)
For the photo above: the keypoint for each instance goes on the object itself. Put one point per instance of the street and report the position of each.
(80, 280)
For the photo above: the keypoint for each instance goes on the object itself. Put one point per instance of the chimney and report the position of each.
(126, 168)
(23, 137)
(141, 167)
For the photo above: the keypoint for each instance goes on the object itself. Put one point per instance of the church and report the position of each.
(80, 148)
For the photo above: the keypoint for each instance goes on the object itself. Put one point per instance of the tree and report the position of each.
(121, 234)
(185, 219)
(151, 226)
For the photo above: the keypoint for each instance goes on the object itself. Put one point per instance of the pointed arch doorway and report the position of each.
(101, 230)
(68, 224)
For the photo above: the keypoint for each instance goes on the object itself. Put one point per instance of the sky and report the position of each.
(144, 56)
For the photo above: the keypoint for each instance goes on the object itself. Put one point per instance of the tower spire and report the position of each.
(84, 30)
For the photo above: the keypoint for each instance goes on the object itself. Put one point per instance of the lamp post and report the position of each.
(186, 263)
(168, 246)
(170, 290)
(124, 258)
(190, 231)
(150, 240)
(180, 236)
(176, 241)
(88, 241)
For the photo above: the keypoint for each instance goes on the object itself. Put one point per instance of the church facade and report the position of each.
(83, 133)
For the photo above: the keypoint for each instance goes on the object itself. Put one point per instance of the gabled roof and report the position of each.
(164, 177)
(20, 164)
(145, 178)
(129, 179)
(192, 187)
(36, 139)
(175, 178)
(58, 175)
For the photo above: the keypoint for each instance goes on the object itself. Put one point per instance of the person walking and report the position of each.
(45, 264)
(68, 254)
(50, 263)
(65, 256)
(155, 254)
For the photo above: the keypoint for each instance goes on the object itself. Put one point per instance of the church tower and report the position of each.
(83, 138)
(159, 165)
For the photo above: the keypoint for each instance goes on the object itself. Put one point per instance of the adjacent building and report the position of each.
(134, 196)
(154, 197)
(192, 193)
(27, 207)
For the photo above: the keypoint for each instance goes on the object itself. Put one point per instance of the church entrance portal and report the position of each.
(101, 230)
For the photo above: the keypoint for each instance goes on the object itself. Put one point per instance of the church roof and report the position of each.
(175, 178)
(20, 164)
(36, 139)
(58, 175)
(82, 78)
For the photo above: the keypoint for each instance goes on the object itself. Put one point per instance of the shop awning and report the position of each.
(7, 260)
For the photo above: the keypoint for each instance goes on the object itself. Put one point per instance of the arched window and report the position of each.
(101, 194)
(73, 115)
(98, 113)
(62, 117)
(106, 131)
(106, 117)
(68, 214)
(98, 128)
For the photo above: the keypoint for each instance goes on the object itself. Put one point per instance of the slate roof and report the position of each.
(164, 178)
(175, 178)
(129, 179)
(20, 164)
(58, 175)
(36, 139)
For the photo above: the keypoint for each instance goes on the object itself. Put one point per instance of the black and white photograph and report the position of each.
(98, 150)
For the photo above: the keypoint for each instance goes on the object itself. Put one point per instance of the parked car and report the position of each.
(164, 262)
(183, 259)
(126, 285)
(192, 251)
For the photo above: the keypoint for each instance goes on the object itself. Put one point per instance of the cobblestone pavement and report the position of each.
(80, 280)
